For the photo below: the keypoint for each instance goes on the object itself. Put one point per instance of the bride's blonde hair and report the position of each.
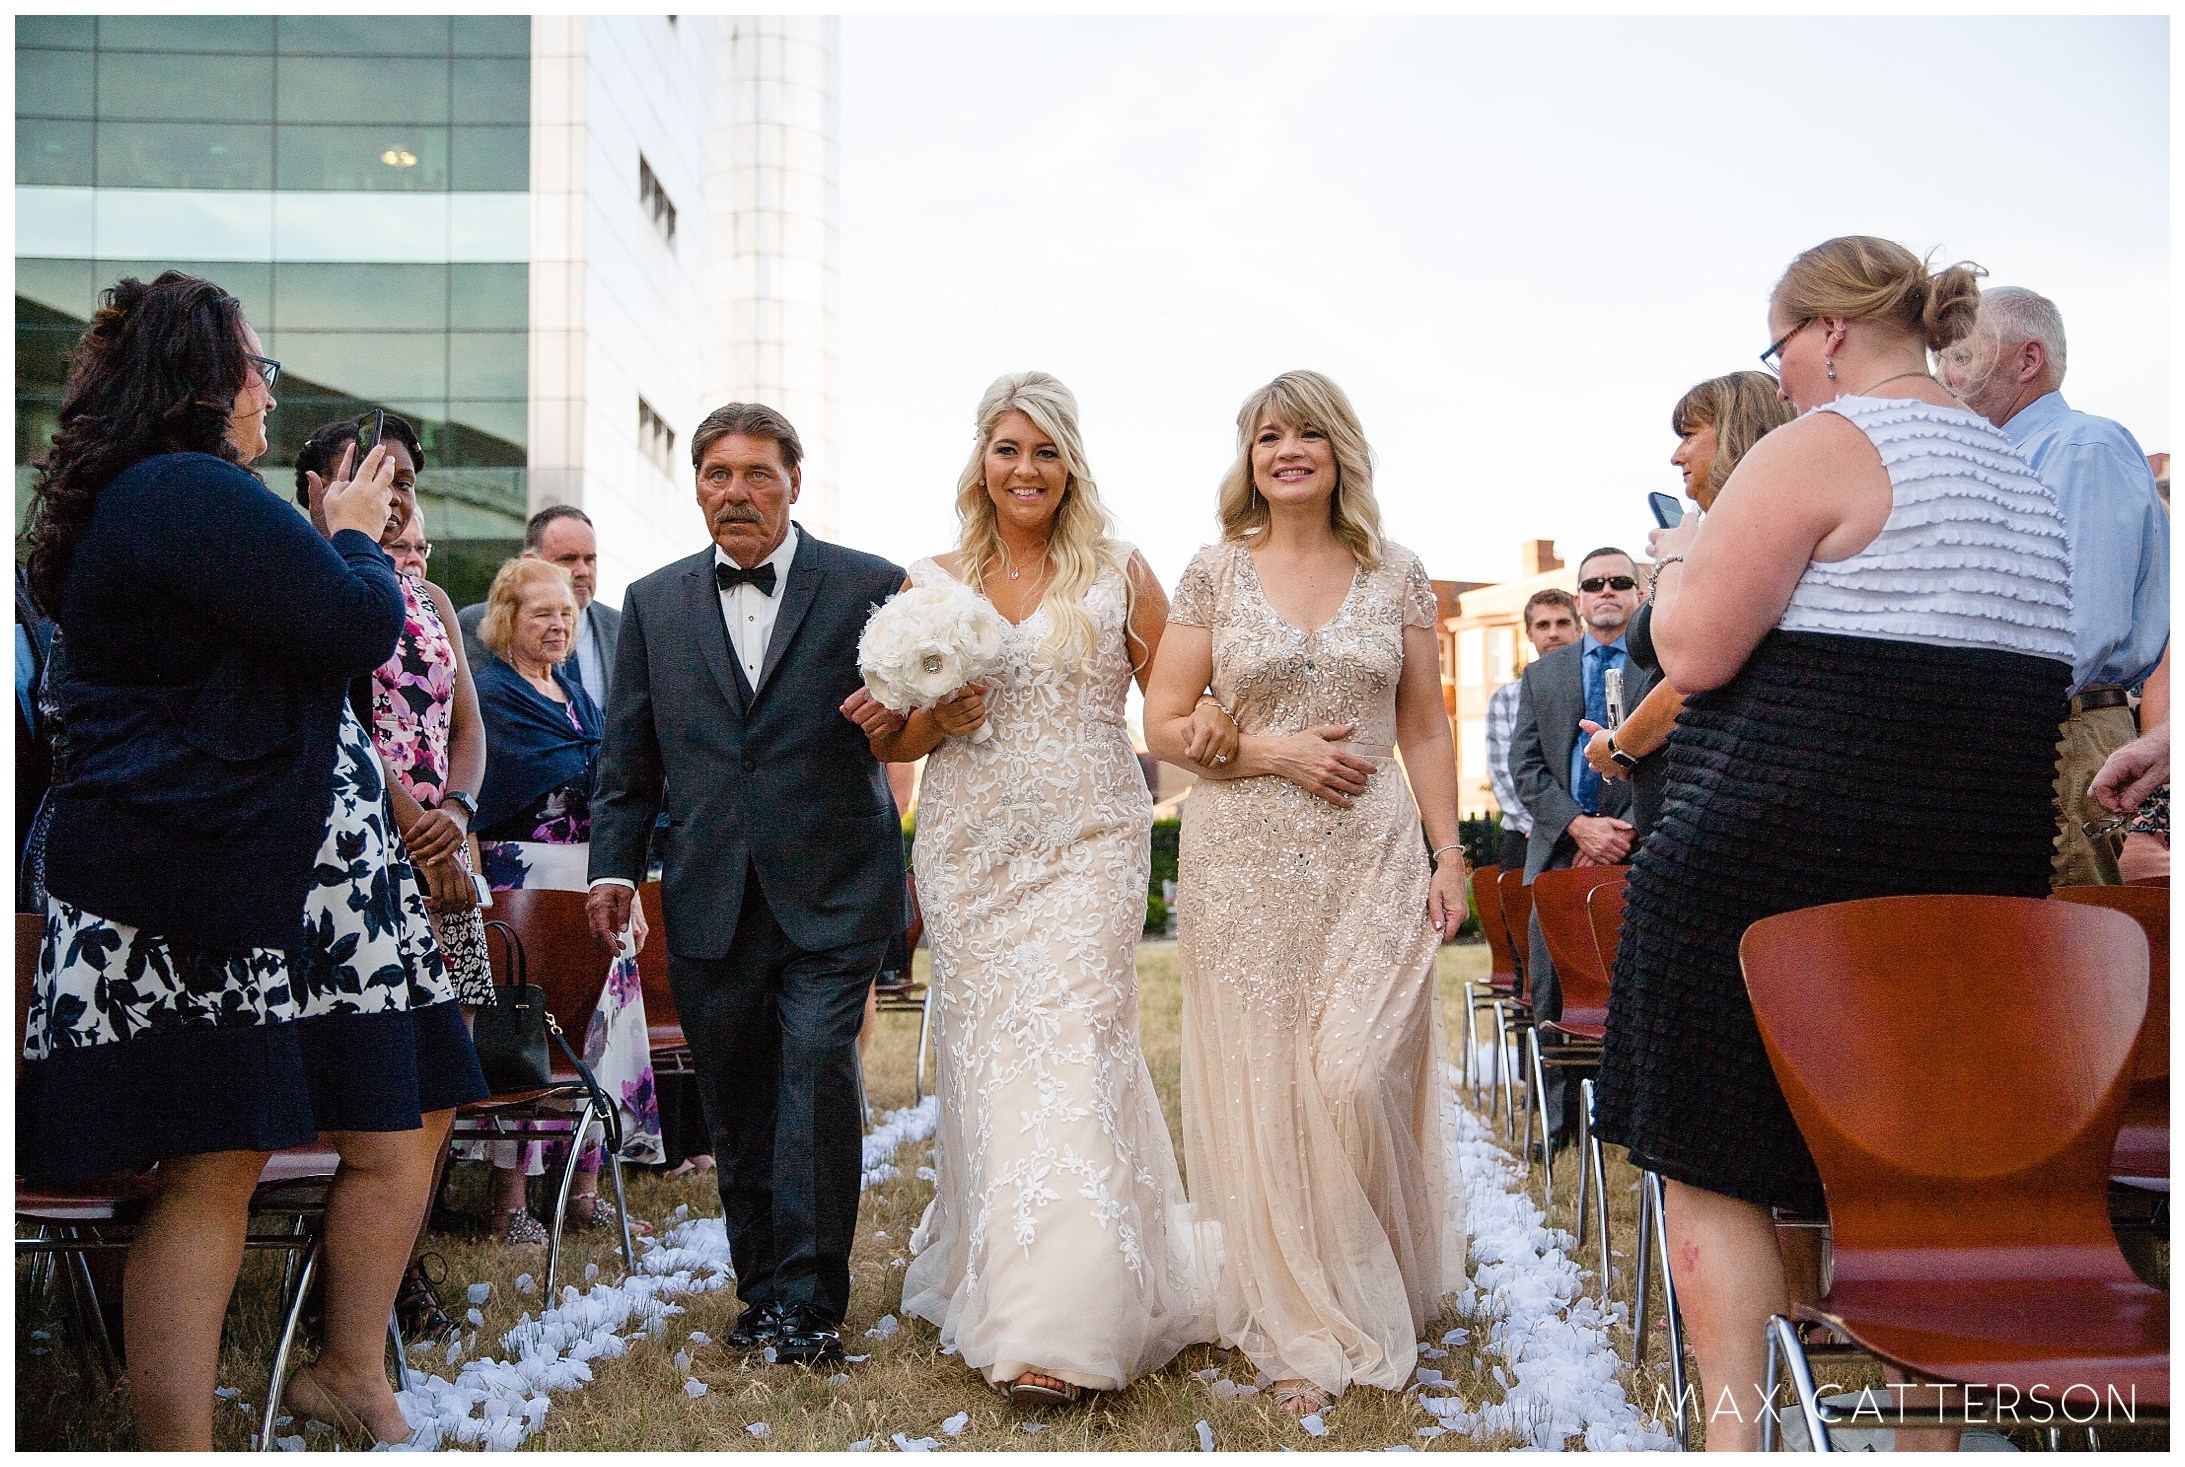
(1082, 541)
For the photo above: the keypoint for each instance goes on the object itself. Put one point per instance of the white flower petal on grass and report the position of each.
(700, 1337)
(525, 1284)
(760, 1429)
(39, 1334)
(1031, 1428)
(1396, 1449)
(694, 1388)
(475, 1317)
(479, 1293)
(885, 1329)
(955, 1425)
(769, 1356)
(1432, 1430)
(948, 1349)
(1456, 1337)
(1213, 1374)
(913, 1443)
(1428, 1377)
(1206, 1436)
(1313, 1425)
(863, 1446)
(682, 1361)
(882, 1235)
(226, 1393)
(289, 1443)
(838, 1380)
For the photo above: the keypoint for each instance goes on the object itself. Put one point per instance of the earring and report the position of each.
(1831, 368)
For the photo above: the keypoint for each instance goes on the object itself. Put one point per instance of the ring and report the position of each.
(1221, 758)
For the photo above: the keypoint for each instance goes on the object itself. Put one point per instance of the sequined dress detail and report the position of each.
(1319, 1129)
(1057, 1239)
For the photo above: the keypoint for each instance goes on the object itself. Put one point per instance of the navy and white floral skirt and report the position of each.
(137, 1049)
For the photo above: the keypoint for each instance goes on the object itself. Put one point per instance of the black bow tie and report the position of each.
(728, 577)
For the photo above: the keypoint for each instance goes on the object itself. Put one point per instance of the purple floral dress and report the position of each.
(413, 706)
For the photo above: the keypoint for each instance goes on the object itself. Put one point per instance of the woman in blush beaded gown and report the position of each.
(1056, 1255)
(1319, 1128)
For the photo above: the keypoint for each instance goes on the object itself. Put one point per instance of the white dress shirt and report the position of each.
(749, 612)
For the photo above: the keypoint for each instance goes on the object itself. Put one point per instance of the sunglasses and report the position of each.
(1594, 585)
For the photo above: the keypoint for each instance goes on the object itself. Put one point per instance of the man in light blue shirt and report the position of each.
(2010, 370)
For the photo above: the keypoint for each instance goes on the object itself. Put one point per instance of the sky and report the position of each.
(1515, 243)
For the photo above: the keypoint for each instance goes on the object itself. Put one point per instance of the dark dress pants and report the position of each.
(1545, 990)
(773, 1036)
(1510, 856)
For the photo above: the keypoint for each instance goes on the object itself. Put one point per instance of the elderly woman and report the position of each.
(1310, 912)
(535, 827)
(1881, 585)
(236, 958)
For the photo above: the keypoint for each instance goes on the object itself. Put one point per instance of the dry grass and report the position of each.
(906, 1386)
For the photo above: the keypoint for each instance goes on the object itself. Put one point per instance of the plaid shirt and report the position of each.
(1501, 725)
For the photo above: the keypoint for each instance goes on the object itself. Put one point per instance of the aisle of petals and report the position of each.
(495, 1403)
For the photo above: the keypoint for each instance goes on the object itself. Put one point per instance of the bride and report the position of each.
(1055, 1255)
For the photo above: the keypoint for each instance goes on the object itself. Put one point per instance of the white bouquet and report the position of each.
(926, 643)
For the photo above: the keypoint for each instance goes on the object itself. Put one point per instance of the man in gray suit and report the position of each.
(1577, 818)
(562, 533)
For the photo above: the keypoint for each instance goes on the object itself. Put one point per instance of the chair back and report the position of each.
(2143, 1144)
(560, 957)
(30, 932)
(1559, 899)
(1517, 916)
(1487, 906)
(664, 1025)
(1958, 1066)
(1605, 911)
(2162, 881)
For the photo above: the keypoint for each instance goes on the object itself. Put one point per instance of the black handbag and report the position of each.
(510, 1037)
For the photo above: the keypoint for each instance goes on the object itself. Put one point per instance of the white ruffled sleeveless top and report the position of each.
(1974, 553)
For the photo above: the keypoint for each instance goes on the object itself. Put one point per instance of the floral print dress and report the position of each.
(413, 706)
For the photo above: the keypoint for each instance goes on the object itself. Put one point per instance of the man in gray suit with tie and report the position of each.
(1577, 818)
(562, 533)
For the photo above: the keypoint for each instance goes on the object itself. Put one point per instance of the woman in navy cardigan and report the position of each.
(236, 957)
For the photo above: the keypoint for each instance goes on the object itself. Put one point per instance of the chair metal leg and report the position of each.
(1653, 1185)
(1641, 1277)
(581, 1129)
(864, 1106)
(925, 1036)
(622, 1212)
(288, 1340)
(1539, 1106)
(1783, 1341)
(94, 1343)
(1585, 1154)
(1594, 1159)
(1471, 1039)
(402, 1357)
(1497, 1079)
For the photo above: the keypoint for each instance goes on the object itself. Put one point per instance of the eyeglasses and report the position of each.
(1772, 358)
(268, 368)
(419, 548)
(1596, 584)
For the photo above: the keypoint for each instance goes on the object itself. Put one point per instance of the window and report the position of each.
(655, 438)
(1501, 646)
(650, 195)
(1471, 657)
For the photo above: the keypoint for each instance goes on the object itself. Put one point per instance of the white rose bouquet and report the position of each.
(926, 643)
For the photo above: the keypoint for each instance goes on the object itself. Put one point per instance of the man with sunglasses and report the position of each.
(1577, 817)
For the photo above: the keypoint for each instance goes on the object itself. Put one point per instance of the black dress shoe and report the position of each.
(806, 1337)
(755, 1328)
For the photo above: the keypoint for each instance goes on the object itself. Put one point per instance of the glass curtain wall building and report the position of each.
(361, 184)
(554, 243)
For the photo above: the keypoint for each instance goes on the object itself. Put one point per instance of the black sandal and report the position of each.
(417, 1304)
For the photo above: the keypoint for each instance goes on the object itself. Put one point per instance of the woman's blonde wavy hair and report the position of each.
(1082, 541)
(1307, 400)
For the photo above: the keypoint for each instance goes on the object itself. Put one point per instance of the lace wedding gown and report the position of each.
(1318, 1115)
(1057, 1239)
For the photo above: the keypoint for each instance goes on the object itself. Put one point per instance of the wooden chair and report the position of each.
(1513, 1014)
(563, 960)
(1967, 1182)
(1559, 900)
(2142, 1154)
(663, 1026)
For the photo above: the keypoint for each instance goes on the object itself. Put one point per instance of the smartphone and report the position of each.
(1613, 682)
(369, 429)
(485, 892)
(1668, 513)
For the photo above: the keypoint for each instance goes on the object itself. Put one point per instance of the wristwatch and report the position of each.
(1619, 755)
(466, 799)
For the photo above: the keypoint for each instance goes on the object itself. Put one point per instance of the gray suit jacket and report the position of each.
(605, 620)
(1550, 701)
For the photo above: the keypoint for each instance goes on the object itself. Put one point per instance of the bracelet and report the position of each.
(1430, 855)
(1666, 562)
(1205, 698)
(464, 798)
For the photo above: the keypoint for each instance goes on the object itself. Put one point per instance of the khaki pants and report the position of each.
(2086, 742)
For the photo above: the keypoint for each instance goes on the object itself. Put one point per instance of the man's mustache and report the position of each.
(738, 514)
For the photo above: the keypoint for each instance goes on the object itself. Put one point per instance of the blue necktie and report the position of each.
(1597, 663)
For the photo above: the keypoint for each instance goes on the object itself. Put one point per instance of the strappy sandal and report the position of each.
(1301, 1398)
(326, 1408)
(520, 1230)
(417, 1305)
(1024, 1391)
(604, 1216)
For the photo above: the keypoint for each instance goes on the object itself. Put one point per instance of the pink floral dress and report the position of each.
(413, 706)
